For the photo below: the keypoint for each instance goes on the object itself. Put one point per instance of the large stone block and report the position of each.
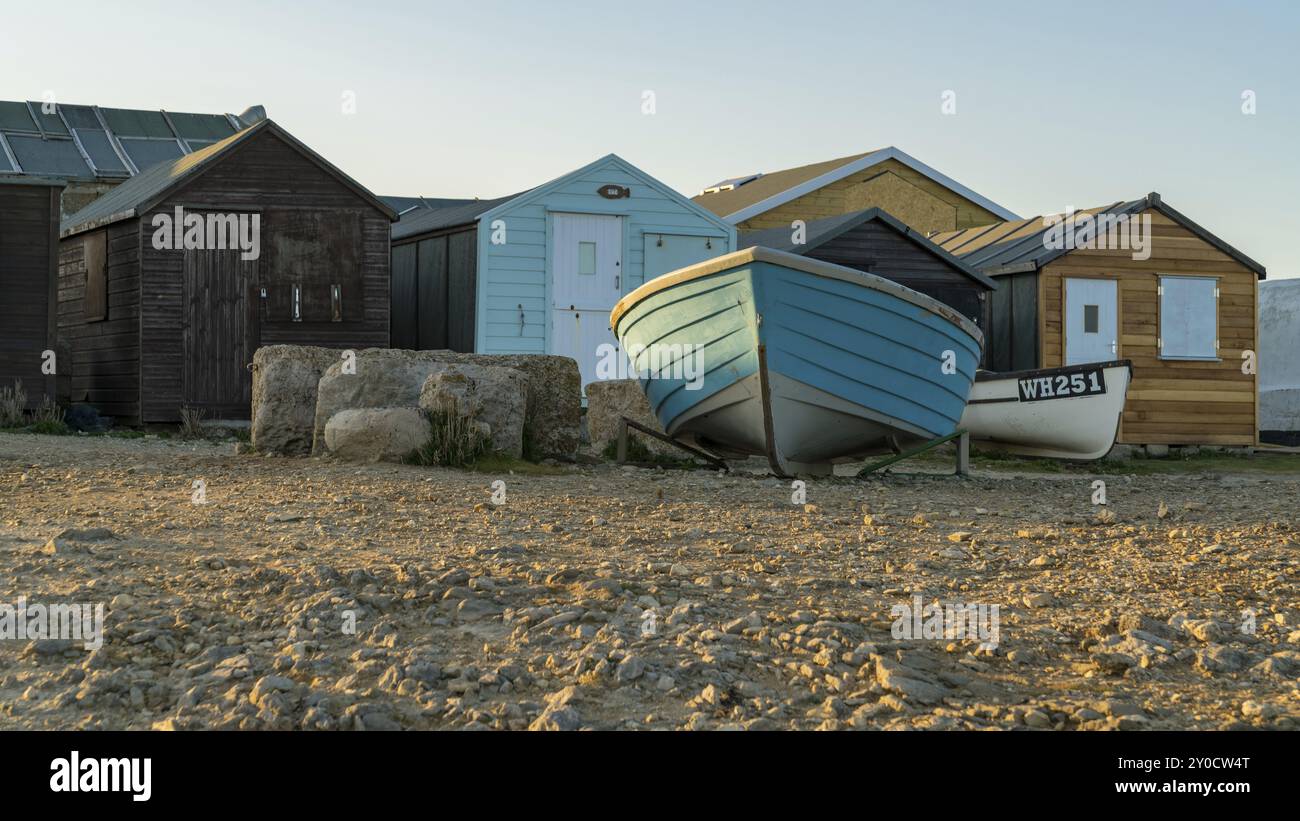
(494, 396)
(608, 402)
(376, 434)
(285, 379)
(394, 378)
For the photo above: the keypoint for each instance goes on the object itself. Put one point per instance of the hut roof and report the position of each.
(437, 214)
(740, 198)
(1019, 245)
(140, 193)
(821, 231)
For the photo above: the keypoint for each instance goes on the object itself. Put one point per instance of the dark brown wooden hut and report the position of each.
(29, 236)
(171, 281)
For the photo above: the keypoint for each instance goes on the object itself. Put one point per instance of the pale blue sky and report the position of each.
(1057, 104)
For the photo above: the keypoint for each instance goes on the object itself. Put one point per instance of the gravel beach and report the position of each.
(248, 592)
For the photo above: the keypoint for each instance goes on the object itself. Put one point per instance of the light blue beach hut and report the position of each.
(539, 271)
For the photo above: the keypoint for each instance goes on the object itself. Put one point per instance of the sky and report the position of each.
(1056, 105)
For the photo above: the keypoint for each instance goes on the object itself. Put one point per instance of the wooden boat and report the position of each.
(1062, 413)
(804, 362)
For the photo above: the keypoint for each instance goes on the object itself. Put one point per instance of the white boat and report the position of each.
(1060, 413)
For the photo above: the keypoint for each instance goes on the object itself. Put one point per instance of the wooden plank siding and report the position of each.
(29, 218)
(268, 177)
(1011, 342)
(134, 364)
(1169, 401)
(513, 277)
(912, 197)
(103, 355)
(877, 249)
(435, 283)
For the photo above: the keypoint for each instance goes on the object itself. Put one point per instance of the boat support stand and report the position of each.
(624, 423)
(963, 454)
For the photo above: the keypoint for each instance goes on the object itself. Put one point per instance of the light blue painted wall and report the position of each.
(516, 273)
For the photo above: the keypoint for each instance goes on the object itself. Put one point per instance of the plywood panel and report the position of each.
(1170, 401)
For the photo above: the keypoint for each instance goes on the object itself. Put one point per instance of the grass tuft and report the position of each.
(12, 402)
(192, 422)
(454, 441)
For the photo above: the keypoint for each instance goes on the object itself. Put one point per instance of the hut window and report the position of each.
(1091, 318)
(1189, 317)
(95, 304)
(336, 303)
(587, 258)
(297, 303)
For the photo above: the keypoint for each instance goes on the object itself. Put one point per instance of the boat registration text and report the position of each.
(1063, 384)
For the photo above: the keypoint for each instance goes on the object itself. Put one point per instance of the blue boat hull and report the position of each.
(800, 361)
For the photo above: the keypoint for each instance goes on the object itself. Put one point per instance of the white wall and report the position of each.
(1279, 355)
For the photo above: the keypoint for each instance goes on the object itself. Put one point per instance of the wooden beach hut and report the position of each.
(1133, 280)
(160, 311)
(539, 271)
(29, 237)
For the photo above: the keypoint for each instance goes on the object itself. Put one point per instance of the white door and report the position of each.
(1091, 320)
(587, 280)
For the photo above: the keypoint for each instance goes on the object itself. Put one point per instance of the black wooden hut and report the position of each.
(163, 298)
(29, 236)
(875, 242)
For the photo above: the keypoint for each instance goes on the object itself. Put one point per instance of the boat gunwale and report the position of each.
(828, 270)
(993, 376)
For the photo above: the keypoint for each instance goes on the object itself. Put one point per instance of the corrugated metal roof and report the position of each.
(820, 231)
(1007, 247)
(449, 214)
(82, 142)
(1017, 244)
(142, 191)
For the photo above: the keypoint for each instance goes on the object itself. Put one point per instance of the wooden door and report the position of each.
(587, 279)
(220, 332)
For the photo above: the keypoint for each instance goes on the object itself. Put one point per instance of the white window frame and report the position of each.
(1160, 320)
